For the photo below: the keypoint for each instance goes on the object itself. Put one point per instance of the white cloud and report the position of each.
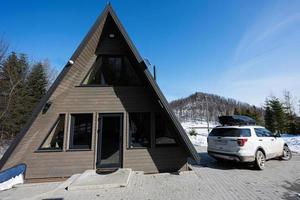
(266, 60)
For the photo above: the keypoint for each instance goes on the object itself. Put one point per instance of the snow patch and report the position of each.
(4, 144)
(293, 141)
(201, 128)
(11, 182)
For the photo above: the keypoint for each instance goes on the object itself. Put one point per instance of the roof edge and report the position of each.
(53, 87)
(155, 87)
(172, 116)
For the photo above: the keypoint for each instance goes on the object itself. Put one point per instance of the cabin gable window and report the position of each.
(112, 71)
(164, 133)
(139, 130)
(81, 129)
(55, 138)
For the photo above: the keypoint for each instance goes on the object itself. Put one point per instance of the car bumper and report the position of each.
(233, 157)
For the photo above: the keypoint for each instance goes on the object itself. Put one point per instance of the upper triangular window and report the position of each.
(112, 71)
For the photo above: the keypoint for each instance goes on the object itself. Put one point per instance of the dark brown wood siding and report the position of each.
(93, 100)
(70, 97)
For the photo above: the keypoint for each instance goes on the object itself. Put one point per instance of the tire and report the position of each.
(219, 159)
(260, 160)
(286, 153)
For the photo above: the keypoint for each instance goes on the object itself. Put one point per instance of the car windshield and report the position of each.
(230, 132)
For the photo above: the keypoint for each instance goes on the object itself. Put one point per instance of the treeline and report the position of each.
(280, 115)
(22, 85)
(202, 107)
(277, 115)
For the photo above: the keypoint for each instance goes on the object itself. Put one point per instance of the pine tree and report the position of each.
(36, 85)
(298, 125)
(298, 119)
(22, 90)
(278, 115)
(236, 111)
(255, 114)
(14, 74)
(269, 117)
(299, 106)
(250, 112)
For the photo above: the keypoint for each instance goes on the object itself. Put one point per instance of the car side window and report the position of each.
(262, 132)
(258, 132)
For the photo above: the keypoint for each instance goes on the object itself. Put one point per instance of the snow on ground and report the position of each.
(293, 142)
(4, 144)
(201, 129)
(11, 182)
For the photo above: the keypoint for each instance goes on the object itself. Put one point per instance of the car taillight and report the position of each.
(241, 142)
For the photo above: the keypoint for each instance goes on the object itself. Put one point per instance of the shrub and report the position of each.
(193, 132)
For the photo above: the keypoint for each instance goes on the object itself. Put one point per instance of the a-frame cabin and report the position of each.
(104, 111)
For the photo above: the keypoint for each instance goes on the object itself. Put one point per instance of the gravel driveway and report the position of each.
(211, 180)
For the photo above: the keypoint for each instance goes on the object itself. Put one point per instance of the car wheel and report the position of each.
(287, 154)
(219, 159)
(260, 160)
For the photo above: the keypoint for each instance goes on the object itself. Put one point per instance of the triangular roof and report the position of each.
(152, 83)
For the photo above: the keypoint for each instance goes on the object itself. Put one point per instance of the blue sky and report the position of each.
(245, 50)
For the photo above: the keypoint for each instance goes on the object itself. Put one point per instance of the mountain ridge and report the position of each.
(202, 106)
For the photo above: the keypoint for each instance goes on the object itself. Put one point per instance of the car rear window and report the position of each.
(230, 132)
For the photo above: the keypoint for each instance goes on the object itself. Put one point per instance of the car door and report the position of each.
(274, 143)
(265, 141)
(278, 144)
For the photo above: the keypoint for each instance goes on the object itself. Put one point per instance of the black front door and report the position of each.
(109, 147)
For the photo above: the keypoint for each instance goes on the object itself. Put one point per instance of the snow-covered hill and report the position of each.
(201, 106)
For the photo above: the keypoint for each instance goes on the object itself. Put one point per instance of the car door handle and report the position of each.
(272, 139)
(260, 140)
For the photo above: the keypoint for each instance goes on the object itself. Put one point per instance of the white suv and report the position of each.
(246, 144)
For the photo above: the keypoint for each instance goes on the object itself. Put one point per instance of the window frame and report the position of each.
(68, 145)
(129, 147)
(98, 141)
(269, 132)
(40, 149)
(176, 144)
(122, 56)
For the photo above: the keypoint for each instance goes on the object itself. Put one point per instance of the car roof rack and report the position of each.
(236, 120)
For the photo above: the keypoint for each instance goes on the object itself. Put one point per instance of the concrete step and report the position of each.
(91, 180)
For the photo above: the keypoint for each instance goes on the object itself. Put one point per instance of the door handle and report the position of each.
(272, 139)
(260, 140)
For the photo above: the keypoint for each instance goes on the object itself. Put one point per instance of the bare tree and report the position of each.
(289, 102)
(8, 98)
(3, 99)
(299, 107)
(52, 73)
(8, 81)
(3, 50)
